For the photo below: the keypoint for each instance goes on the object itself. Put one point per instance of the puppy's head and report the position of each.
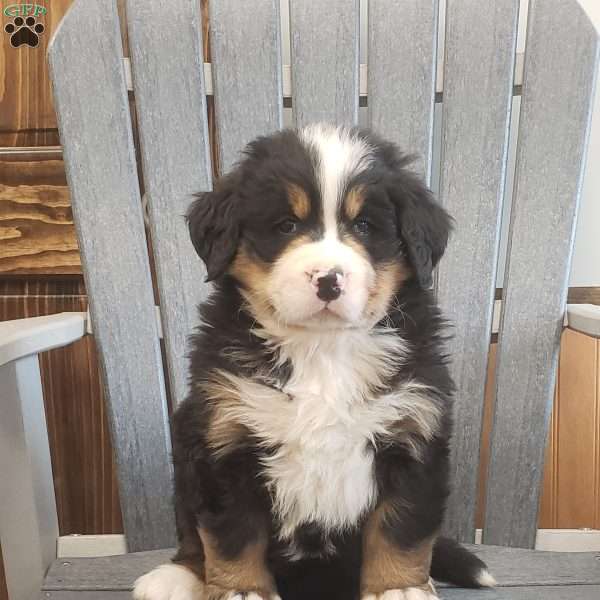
(320, 228)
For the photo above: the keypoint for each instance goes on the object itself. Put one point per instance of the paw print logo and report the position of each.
(24, 31)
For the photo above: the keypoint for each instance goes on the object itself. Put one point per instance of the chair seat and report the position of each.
(522, 575)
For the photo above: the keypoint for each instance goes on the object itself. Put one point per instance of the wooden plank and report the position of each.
(86, 595)
(572, 592)
(175, 158)
(246, 53)
(401, 75)
(510, 566)
(478, 78)
(577, 432)
(325, 61)
(91, 99)
(26, 110)
(107, 572)
(582, 592)
(562, 54)
(36, 223)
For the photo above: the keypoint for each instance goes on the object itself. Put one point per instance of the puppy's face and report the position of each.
(320, 228)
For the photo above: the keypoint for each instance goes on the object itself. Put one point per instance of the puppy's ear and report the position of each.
(214, 226)
(423, 225)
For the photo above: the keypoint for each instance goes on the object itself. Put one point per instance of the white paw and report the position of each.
(168, 582)
(253, 596)
(411, 593)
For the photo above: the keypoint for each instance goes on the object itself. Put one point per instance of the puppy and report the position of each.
(311, 455)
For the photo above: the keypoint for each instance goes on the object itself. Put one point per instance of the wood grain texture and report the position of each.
(401, 75)
(478, 80)
(85, 484)
(572, 592)
(584, 295)
(37, 234)
(246, 52)
(85, 62)
(175, 158)
(577, 433)
(511, 566)
(26, 110)
(562, 54)
(324, 38)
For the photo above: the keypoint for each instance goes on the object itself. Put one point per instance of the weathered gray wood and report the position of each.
(510, 566)
(246, 51)
(28, 520)
(86, 595)
(580, 592)
(571, 592)
(167, 66)
(478, 81)
(93, 115)
(560, 66)
(401, 75)
(325, 63)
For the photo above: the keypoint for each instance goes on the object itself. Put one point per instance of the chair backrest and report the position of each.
(478, 86)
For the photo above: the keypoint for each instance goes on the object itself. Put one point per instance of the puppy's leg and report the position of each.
(391, 572)
(241, 572)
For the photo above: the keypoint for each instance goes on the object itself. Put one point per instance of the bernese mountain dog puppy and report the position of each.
(311, 454)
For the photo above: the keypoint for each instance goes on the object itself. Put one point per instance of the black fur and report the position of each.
(227, 495)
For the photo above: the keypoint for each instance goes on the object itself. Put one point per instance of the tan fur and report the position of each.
(223, 433)
(299, 201)
(388, 279)
(386, 567)
(247, 573)
(354, 201)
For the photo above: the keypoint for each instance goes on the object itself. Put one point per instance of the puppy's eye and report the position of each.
(288, 226)
(361, 226)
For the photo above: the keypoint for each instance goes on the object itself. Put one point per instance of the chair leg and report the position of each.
(28, 519)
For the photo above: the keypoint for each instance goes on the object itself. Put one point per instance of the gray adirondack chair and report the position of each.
(87, 69)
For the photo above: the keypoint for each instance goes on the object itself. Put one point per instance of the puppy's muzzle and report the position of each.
(328, 284)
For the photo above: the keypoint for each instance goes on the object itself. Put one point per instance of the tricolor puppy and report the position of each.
(311, 456)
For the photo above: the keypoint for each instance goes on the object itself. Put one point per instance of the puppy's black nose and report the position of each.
(329, 286)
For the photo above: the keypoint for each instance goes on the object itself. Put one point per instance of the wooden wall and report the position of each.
(40, 273)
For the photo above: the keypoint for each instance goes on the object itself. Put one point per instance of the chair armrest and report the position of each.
(23, 337)
(584, 318)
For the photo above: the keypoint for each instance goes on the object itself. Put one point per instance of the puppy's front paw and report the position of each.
(168, 582)
(423, 592)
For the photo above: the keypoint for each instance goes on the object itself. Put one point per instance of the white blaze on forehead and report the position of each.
(341, 155)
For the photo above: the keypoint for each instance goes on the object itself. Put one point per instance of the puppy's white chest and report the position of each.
(323, 470)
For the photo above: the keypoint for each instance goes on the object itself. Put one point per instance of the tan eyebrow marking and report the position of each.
(299, 201)
(354, 201)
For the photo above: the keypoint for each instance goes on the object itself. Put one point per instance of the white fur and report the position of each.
(486, 579)
(409, 593)
(292, 293)
(168, 582)
(323, 419)
(341, 154)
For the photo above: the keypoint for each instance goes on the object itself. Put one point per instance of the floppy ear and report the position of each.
(423, 225)
(213, 222)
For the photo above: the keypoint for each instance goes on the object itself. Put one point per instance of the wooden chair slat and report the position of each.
(247, 83)
(560, 67)
(401, 75)
(170, 96)
(478, 83)
(91, 98)
(512, 567)
(325, 62)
